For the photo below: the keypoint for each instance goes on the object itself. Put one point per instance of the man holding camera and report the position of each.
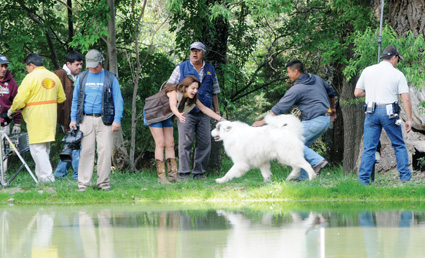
(68, 74)
(38, 96)
(97, 106)
(8, 91)
(381, 84)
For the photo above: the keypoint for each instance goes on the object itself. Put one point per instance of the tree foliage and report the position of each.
(412, 48)
(91, 23)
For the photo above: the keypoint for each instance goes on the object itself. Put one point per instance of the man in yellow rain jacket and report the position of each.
(38, 96)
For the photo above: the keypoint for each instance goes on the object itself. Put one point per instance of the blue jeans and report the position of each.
(373, 125)
(62, 168)
(313, 129)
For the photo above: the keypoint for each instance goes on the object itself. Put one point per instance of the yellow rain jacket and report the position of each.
(38, 96)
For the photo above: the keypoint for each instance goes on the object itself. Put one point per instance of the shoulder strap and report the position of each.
(162, 86)
(83, 78)
(109, 78)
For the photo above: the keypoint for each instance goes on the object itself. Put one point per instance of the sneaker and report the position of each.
(82, 189)
(183, 176)
(199, 177)
(319, 167)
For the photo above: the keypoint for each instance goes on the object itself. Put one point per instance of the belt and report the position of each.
(95, 115)
(383, 105)
(326, 114)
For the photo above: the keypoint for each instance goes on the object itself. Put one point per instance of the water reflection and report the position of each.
(161, 231)
(97, 238)
(293, 235)
(399, 240)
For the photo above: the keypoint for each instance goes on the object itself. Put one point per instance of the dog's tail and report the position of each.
(287, 122)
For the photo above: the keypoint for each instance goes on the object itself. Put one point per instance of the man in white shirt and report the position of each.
(381, 84)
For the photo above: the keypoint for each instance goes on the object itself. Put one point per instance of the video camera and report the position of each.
(6, 119)
(72, 140)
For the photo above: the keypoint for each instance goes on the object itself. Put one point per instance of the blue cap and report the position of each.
(198, 45)
(3, 60)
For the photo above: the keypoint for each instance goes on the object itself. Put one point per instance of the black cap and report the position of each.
(391, 51)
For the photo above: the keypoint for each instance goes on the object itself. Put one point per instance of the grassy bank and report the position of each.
(331, 186)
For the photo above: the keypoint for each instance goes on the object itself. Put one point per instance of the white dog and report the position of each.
(254, 147)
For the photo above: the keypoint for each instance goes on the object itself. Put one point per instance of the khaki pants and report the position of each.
(43, 169)
(95, 133)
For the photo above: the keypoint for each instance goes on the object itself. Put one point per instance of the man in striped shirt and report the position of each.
(197, 123)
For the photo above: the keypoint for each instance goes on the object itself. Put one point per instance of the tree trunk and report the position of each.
(353, 119)
(216, 55)
(136, 79)
(70, 22)
(406, 15)
(119, 155)
(334, 138)
(111, 42)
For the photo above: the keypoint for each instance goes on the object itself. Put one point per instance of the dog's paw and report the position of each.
(292, 178)
(312, 176)
(220, 180)
(268, 179)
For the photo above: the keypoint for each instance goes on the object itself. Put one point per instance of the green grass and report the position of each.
(331, 187)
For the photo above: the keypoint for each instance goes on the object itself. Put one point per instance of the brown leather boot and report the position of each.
(160, 167)
(172, 170)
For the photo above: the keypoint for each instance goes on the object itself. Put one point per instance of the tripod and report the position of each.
(5, 156)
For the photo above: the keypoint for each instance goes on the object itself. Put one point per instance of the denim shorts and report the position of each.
(166, 123)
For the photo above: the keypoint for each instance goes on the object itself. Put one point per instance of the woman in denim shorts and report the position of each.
(183, 97)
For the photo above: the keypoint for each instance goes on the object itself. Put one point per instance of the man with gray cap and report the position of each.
(381, 84)
(97, 106)
(196, 122)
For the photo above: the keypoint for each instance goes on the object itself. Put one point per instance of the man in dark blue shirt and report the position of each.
(316, 100)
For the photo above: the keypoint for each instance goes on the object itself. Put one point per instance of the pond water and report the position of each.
(163, 230)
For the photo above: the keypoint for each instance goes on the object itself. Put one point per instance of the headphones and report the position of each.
(103, 59)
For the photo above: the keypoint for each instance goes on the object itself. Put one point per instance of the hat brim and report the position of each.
(400, 56)
(92, 64)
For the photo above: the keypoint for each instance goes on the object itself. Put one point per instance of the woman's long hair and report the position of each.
(182, 87)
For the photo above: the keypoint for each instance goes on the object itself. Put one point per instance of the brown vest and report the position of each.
(64, 109)
(157, 108)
